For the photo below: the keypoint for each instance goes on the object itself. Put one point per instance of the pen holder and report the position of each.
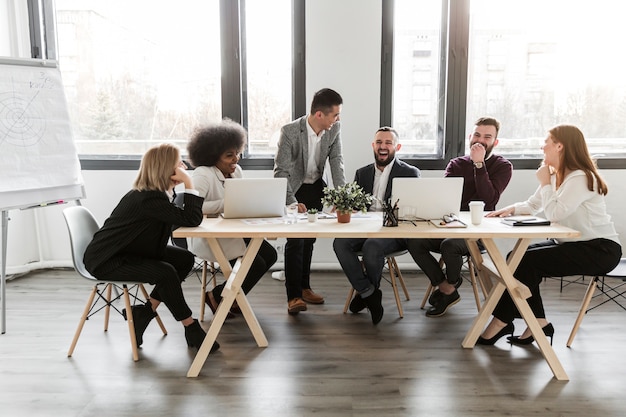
(390, 218)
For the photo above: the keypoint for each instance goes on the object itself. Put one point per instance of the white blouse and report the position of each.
(572, 205)
(209, 181)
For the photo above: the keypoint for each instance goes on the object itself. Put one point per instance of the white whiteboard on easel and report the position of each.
(38, 159)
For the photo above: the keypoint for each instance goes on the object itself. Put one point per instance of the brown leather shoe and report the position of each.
(296, 305)
(312, 298)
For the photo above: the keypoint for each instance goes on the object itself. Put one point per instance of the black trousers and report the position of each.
(166, 275)
(263, 261)
(547, 259)
(299, 252)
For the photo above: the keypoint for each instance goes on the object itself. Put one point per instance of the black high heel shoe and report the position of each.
(548, 330)
(508, 329)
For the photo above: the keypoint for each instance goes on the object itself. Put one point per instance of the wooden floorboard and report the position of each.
(319, 363)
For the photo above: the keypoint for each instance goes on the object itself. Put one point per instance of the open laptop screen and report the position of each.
(427, 198)
(254, 197)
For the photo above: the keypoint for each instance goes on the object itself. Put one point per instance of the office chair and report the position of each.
(474, 282)
(613, 293)
(81, 226)
(395, 276)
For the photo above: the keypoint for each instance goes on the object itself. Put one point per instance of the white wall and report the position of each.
(343, 53)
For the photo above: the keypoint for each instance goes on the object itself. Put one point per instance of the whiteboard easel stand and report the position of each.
(3, 272)
(3, 283)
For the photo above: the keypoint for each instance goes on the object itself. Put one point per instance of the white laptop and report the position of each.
(427, 198)
(248, 198)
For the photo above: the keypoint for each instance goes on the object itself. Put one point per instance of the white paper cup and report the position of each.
(477, 210)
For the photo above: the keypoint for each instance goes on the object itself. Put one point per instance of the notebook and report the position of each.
(246, 198)
(427, 198)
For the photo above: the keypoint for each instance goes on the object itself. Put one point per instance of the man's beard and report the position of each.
(385, 162)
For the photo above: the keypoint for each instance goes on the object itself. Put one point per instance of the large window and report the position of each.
(531, 64)
(534, 64)
(138, 73)
(269, 78)
(142, 72)
(417, 69)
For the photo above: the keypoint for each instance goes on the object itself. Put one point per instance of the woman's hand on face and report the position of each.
(505, 212)
(543, 174)
(181, 176)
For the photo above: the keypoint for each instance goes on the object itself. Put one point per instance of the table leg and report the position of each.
(519, 293)
(232, 291)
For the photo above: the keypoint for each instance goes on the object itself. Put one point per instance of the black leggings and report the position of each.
(547, 259)
(166, 274)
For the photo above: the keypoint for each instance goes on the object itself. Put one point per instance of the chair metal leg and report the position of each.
(583, 310)
(131, 323)
(83, 318)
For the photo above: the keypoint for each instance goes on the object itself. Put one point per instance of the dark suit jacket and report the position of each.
(140, 225)
(365, 176)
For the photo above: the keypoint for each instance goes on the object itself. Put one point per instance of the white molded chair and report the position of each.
(395, 276)
(81, 226)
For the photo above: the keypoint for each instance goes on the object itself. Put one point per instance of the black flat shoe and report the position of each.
(357, 304)
(142, 316)
(508, 329)
(436, 295)
(195, 334)
(548, 330)
(443, 304)
(375, 306)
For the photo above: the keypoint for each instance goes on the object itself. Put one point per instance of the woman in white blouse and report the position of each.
(571, 192)
(214, 151)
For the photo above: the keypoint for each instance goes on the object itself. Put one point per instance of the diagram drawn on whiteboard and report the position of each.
(21, 121)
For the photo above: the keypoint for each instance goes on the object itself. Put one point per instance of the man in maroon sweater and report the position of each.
(486, 176)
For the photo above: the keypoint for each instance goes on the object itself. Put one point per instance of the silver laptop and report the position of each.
(247, 198)
(427, 198)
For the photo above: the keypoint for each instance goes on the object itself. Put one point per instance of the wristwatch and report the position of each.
(478, 165)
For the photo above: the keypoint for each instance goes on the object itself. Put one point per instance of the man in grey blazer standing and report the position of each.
(303, 149)
(376, 179)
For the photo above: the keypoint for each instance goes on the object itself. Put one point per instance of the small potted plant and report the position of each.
(311, 214)
(346, 199)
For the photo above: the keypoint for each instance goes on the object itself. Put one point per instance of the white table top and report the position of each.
(370, 225)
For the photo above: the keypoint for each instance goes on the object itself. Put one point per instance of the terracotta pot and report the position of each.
(343, 217)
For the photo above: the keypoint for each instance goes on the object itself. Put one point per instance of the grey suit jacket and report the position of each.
(293, 153)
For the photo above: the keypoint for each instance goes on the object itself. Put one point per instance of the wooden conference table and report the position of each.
(370, 225)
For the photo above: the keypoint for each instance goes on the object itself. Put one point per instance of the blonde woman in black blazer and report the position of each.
(132, 245)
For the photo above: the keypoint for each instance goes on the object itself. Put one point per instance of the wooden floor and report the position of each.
(321, 363)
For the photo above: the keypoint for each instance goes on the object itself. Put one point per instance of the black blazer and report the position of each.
(365, 176)
(140, 225)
